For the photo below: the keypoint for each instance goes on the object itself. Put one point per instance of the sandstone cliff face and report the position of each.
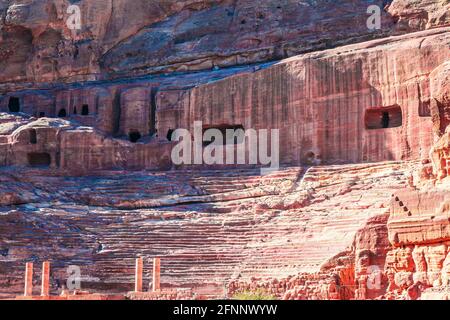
(339, 96)
(123, 38)
(363, 215)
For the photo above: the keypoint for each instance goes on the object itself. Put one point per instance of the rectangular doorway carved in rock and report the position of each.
(424, 109)
(14, 104)
(39, 159)
(239, 133)
(383, 117)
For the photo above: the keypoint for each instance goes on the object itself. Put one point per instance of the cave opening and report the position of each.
(169, 134)
(33, 136)
(14, 104)
(134, 136)
(237, 134)
(41, 114)
(75, 110)
(38, 159)
(383, 117)
(385, 120)
(85, 110)
(153, 107)
(62, 113)
(424, 109)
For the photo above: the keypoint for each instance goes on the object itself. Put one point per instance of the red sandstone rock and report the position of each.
(317, 83)
(376, 226)
(132, 37)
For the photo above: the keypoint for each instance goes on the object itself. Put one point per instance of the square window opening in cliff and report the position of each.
(383, 118)
(231, 134)
(62, 113)
(424, 109)
(85, 110)
(14, 104)
(33, 136)
(134, 136)
(39, 159)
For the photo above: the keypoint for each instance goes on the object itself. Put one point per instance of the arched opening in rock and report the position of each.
(169, 134)
(384, 117)
(62, 113)
(85, 110)
(33, 136)
(39, 159)
(134, 136)
(14, 104)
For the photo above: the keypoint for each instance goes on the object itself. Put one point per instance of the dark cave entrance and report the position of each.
(169, 134)
(384, 117)
(237, 134)
(385, 120)
(424, 109)
(14, 104)
(39, 159)
(62, 113)
(85, 110)
(33, 136)
(153, 107)
(134, 136)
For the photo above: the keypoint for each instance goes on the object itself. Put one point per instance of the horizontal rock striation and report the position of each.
(209, 239)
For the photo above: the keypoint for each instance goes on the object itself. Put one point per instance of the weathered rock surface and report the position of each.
(119, 37)
(340, 95)
(360, 209)
(212, 230)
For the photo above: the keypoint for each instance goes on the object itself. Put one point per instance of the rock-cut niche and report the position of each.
(384, 117)
(14, 104)
(134, 136)
(237, 133)
(85, 110)
(39, 159)
(33, 136)
(62, 113)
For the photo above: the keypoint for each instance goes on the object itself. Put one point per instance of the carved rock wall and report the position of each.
(328, 104)
(330, 107)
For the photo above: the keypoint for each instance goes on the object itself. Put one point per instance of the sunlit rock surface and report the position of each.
(358, 210)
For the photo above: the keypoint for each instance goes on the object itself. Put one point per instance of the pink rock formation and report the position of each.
(134, 37)
(359, 209)
(343, 107)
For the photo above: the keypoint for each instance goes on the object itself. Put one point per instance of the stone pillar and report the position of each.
(28, 279)
(138, 275)
(156, 274)
(45, 288)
